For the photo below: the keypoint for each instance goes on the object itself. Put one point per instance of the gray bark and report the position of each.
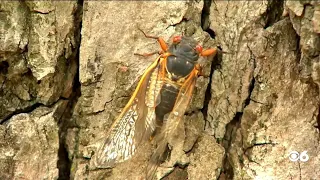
(68, 68)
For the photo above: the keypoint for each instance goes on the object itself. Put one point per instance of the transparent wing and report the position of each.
(169, 129)
(147, 125)
(134, 124)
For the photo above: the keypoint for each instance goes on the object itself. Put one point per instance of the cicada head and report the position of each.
(184, 54)
(185, 47)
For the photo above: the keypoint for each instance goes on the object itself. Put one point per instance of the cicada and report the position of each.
(162, 95)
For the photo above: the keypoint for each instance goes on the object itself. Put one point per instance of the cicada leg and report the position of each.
(199, 70)
(209, 52)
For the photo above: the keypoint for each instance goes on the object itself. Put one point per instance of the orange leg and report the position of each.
(198, 70)
(209, 52)
(162, 43)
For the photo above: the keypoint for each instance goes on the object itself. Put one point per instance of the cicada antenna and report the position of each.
(162, 43)
(147, 36)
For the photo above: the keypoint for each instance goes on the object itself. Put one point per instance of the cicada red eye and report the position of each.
(199, 48)
(176, 39)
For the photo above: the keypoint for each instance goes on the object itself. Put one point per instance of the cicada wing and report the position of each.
(128, 130)
(171, 124)
(147, 125)
(181, 105)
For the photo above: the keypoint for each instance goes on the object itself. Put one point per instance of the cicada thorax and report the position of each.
(182, 59)
(178, 66)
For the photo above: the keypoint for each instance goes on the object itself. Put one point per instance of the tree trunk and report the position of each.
(67, 69)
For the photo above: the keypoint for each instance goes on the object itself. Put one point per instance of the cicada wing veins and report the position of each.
(171, 125)
(130, 128)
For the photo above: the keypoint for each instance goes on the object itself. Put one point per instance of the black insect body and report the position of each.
(179, 64)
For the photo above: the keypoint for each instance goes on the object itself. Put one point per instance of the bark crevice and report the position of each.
(318, 119)
(27, 110)
(253, 80)
(274, 12)
(231, 129)
(65, 122)
(215, 65)
(205, 21)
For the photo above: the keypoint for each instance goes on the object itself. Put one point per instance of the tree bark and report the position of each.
(68, 68)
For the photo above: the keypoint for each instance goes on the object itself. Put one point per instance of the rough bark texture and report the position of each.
(61, 90)
(38, 64)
